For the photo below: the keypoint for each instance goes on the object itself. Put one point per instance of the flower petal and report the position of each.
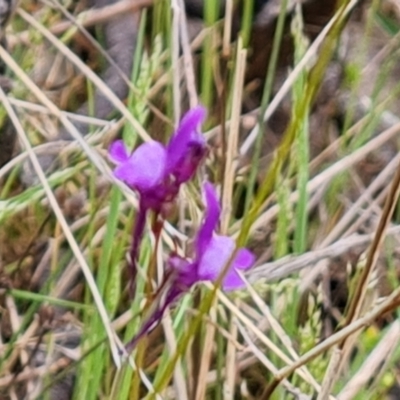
(232, 281)
(214, 258)
(213, 212)
(189, 162)
(145, 167)
(186, 138)
(187, 131)
(117, 152)
(244, 260)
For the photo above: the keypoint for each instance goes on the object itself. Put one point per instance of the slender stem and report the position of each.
(156, 227)
(137, 235)
(247, 21)
(154, 319)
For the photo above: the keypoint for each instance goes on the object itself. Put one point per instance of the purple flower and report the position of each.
(157, 171)
(212, 253)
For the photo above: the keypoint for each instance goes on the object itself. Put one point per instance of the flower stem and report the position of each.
(137, 235)
(154, 319)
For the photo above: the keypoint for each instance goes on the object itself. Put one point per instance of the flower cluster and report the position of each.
(156, 172)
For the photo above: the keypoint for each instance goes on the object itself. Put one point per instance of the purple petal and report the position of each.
(232, 281)
(117, 152)
(244, 260)
(187, 131)
(214, 258)
(211, 219)
(186, 136)
(145, 168)
(188, 164)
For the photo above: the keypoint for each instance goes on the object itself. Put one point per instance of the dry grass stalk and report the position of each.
(207, 352)
(375, 362)
(187, 59)
(73, 58)
(231, 155)
(292, 264)
(357, 300)
(116, 346)
(87, 19)
(327, 175)
(305, 62)
(231, 368)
